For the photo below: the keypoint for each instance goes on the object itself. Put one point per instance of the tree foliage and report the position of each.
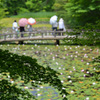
(2, 12)
(80, 12)
(28, 69)
(17, 6)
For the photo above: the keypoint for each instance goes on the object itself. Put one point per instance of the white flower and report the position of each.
(56, 55)
(87, 98)
(38, 94)
(51, 53)
(63, 88)
(35, 44)
(41, 79)
(12, 81)
(82, 70)
(56, 63)
(87, 63)
(59, 67)
(69, 76)
(24, 53)
(62, 81)
(63, 68)
(92, 57)
(94, 83)
(94, 68)
(73, 67)
(70, 71)
(26, 87)
(75, 47)
(72, 91)
(48, 49)
(76, 52)
(64, 95)
(78, 46)
(33, 81)
(41, 87)
(97, 50)
(45, 47)
(87, 72)
(83, 48)
(45, 55)
(70, 81)
(71, 55)
(76, 56)
(38, 89)
(84, 75)
(37, 51)
(53, 59)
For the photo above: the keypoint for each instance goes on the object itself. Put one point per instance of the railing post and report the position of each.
(33, 34)
(0, 37)
(21, 34)
(42, 35)
(61, 33)
(10, 35)
(4, 37)
(29, 35)
(55, 34)
(16, 35)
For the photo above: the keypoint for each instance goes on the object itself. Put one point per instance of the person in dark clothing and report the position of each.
(22, 29)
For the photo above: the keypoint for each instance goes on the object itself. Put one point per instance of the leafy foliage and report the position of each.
(28, 69)
(2, 12)
(73, 62)
(96, 74)
(80, 12)
(87, 35)
(14, 6)
(9, 92)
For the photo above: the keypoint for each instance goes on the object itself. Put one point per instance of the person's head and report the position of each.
(61, 20)
(14, 20)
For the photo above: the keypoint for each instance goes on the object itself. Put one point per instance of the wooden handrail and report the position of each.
(39, 35)
(32, 32)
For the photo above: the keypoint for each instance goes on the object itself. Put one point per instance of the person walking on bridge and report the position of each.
(61, 25)
(14, 27)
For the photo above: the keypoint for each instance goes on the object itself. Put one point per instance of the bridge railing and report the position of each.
(23, 35)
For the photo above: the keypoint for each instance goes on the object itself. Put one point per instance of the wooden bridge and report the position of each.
(36, 35)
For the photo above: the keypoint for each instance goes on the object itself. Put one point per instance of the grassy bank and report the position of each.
(39, 17)
(7, 22)
(35, 15)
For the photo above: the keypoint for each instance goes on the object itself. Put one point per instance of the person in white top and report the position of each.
(61, 25)
(15, 26)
